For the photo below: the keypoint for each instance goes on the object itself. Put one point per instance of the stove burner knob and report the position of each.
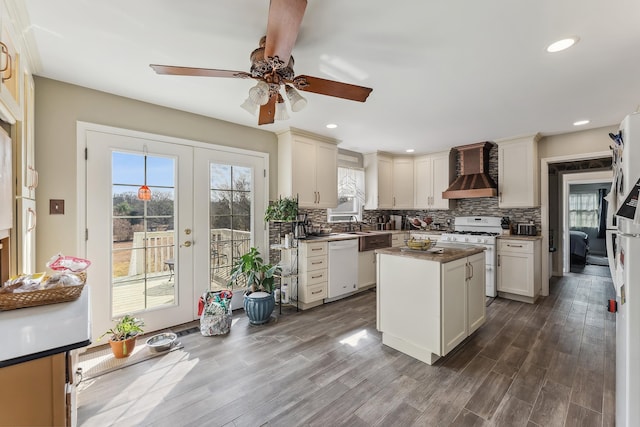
(466, 239)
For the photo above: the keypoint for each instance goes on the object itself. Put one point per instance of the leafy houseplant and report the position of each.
(260, 276)
(123, 335)
(259, 301)
(285, 209)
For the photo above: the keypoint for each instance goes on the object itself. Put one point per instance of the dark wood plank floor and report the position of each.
(548, 364)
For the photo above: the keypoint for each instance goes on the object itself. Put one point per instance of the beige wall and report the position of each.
(588, 141)
(58, 107)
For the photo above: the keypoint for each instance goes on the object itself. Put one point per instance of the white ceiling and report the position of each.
(443, 73)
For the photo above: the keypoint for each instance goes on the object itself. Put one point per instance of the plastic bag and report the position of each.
(215, 318)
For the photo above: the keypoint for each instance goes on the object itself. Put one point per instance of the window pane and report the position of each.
(128, 169)
(220, 177)
(160, 171)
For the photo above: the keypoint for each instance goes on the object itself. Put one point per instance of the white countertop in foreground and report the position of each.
(34, 332)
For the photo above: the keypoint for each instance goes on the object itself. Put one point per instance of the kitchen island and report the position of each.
(38, 381)
(429, 302)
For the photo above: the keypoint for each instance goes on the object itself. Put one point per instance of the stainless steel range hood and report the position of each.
(474, 179)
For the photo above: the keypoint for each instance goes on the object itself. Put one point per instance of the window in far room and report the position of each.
(583, 210)
(350, 196)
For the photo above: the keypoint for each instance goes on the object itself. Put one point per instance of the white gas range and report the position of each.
(478, 231)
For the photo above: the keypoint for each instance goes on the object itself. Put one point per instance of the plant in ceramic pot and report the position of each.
(260, 277)
(284, 209)
(123, 335)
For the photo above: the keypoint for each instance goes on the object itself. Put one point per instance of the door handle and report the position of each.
(318, 197)
(186, 244)
(498, 260)
(34, 218)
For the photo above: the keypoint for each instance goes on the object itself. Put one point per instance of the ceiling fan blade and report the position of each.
(268, 111)
(202, 72)
(331, 88)
(283, 26)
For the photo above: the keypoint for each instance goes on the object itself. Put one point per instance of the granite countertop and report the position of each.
(329, 238)
(433, 232)
(519, 237)
(451, 252)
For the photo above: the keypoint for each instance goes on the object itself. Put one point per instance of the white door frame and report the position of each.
(544, 203)
(569, 179)
(81, 174)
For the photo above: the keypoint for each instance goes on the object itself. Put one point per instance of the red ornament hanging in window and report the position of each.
(144, 193)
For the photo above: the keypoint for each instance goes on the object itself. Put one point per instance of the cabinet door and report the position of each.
(516, 175)
(454, 304)
(366, 268)
(422, 182)
(476, 293)
(10, 84)
(304, 173)
(326, 175)
(26, 175)
(26, 236)
(515, 273)
(440, 179)
(385, 183)
(402, 183)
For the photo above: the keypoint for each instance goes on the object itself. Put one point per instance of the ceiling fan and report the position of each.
(272, 66)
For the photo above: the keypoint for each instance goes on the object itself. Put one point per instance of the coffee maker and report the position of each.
(300, 227)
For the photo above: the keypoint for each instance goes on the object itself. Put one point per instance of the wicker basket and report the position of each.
(11, 301)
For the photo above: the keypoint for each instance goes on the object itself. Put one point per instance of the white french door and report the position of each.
(153, 258)
(139, 248)
(234, 188)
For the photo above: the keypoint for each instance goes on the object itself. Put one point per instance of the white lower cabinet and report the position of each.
(463, 280)
(519, 269)
(312, 273)
(426, 308)
(366, 269)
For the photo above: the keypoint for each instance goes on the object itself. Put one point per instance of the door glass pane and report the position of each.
(143, 233)
(230, 219)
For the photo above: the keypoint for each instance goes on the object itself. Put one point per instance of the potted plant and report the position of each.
(123, 335)
(283, 209)
(258, 298)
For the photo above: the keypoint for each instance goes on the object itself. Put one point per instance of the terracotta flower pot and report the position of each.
(123, 348)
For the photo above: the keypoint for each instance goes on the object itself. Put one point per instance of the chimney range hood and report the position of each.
(474, 179)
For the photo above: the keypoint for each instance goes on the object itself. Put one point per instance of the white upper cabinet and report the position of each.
(402, 182)
(26, 175)
(10, 68)
(308, 168)
(433, 173)
(518, 172)
(388, 181)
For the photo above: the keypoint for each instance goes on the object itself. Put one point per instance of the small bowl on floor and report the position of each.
(161, 342)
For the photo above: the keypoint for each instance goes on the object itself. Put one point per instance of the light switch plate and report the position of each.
(56, 207)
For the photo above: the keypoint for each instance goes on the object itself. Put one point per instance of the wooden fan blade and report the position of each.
(268, 111)
(283, 26)
(202, 72)
(332, 88)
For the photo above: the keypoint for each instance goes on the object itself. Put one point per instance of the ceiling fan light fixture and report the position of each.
(250, 106)
(259, 94)
(297, 101)
(281, 109)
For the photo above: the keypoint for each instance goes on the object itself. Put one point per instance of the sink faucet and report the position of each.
(351, 224)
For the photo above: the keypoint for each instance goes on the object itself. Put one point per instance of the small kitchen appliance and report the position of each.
(527, 229)
(478, 231)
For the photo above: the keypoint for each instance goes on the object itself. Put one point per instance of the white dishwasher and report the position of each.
(343, 268)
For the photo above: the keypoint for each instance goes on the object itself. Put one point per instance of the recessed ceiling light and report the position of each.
(562, 44)
(332, 126)
(410, 150)
(580, 122)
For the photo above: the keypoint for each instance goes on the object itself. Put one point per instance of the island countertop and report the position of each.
(35, 332)
(451, 252)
